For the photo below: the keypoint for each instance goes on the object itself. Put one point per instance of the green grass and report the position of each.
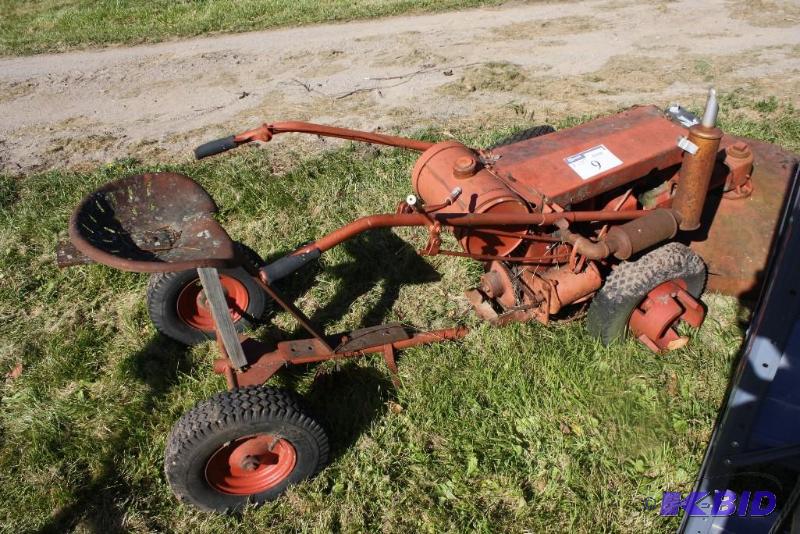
(512, 429)
(54, 25)
(765, 119)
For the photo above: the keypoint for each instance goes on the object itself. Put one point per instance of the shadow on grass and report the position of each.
(99, 505)
(347, 400)
(377, 259)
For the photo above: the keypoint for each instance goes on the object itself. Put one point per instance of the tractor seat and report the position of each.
(149, 223)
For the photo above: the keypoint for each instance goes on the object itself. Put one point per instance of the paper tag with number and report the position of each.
(593, 161)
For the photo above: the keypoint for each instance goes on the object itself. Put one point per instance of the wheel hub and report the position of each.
(193, 306)
(251, 465)
(653, 320)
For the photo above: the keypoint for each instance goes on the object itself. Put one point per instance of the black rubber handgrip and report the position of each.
(288, 264)
(217, 146)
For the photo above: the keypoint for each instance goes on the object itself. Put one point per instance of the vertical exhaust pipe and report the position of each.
(697, 168)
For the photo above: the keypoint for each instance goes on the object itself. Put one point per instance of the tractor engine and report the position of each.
(458, 177)
(629, 161)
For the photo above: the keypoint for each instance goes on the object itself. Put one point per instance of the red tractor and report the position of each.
(634, 214)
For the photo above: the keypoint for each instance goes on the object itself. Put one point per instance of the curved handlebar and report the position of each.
(266, 131)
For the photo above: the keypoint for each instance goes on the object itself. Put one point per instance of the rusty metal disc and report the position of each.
(736, 244)
(251, 465)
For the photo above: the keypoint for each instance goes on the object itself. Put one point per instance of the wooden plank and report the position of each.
(215, 295)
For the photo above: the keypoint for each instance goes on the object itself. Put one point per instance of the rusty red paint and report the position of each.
(465, 220)
(450, 165)
(266, 360)
(695, 176)
(149, 223)
(517, 204)
(265, 132)
(735, 237)
(568, 287)
(739, 161)
(641, 137)
(546, 228)
(251, 465)
(653, 320)
(193, 310)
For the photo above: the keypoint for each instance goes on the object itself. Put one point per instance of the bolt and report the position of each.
(739, 150)
(464, 167)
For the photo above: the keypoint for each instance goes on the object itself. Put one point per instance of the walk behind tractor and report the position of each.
(632, 215)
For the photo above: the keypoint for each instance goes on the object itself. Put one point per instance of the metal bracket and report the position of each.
(67, 255)
(391, 363)
(226, 330)
(372, 336)
(434, 240)
(688, 146)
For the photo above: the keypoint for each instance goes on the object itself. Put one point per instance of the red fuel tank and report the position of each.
(576, 164)
(450, 164)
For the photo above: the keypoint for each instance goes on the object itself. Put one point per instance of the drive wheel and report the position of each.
(178, 308)
(630, 283)
(243, 446)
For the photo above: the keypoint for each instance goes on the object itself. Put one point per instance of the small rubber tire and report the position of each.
(231, 415)
(630, 282)
(522, 135)
(163, 290)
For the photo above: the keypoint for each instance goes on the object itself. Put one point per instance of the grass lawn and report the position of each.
(512, 429)
(29, 27)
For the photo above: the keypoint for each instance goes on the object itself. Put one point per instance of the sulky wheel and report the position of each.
(242, 446)
(178, 308)
(650, 295)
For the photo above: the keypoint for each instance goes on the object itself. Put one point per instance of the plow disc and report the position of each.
(737, 243)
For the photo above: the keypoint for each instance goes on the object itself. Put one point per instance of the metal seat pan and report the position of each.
(159, 222)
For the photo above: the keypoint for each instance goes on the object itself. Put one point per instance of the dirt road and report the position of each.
(537, 60)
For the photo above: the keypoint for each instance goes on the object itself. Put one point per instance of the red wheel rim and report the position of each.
(192, 307)
(251, 465)
(652, 321)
